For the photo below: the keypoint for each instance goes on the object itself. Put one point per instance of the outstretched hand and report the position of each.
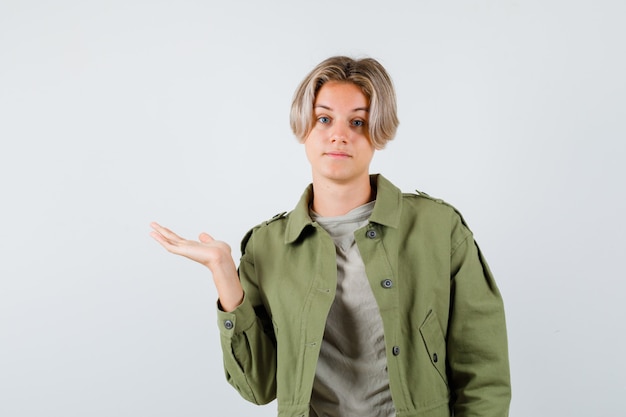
(214, 254)
(207, 251)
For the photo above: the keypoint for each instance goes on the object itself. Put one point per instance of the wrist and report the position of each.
(229, 304)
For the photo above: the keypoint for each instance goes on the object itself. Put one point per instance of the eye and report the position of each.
(358, 123)
(323, 119)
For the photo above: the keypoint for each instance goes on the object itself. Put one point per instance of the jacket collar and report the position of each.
(386, 211)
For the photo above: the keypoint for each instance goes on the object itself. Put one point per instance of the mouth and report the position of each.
(337, 154)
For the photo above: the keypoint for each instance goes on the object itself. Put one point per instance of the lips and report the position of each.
(337, 154)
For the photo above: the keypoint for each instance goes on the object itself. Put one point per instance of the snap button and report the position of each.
(387, 283)
(395, 350)
(371, 234)
(228, 324)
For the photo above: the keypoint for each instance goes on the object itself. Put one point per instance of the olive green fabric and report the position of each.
(442, 313)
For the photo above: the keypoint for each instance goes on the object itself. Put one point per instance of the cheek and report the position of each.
(370, 152)
(366, 145)
(313, 140)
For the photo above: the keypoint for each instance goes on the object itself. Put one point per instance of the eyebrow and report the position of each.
(366, 109)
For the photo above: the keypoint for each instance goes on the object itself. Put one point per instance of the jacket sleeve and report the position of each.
(248, 341)
(477, 348)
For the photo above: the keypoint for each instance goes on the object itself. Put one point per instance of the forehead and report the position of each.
(341, 95)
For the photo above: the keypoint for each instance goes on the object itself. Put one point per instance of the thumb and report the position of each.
(205, 238)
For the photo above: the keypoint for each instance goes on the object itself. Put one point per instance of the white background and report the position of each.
(117, 113)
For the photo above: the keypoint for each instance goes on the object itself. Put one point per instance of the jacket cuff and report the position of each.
(236, 321)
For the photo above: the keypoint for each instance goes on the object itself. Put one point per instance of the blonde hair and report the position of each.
(369, 75)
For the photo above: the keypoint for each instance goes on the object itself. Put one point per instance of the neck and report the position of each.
(336, 199)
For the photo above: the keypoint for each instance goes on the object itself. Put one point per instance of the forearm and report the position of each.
(226, 279)
(249, 352)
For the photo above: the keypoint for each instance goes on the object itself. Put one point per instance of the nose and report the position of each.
(340, 133)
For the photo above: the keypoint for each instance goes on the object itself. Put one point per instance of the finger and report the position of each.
(166, 238)
(158, 237)
(164, 241)
(205, 238)
(165, 232)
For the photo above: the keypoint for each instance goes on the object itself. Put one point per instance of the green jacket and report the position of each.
(442, 313)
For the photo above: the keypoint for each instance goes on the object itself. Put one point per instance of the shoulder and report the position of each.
(392, 197)
(284, 227)
(424, 201)
(436, 212)
(271, 225)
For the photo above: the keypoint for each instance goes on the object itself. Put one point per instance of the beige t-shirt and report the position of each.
(351, 377)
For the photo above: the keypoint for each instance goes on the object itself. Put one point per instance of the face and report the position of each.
(338, 146)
